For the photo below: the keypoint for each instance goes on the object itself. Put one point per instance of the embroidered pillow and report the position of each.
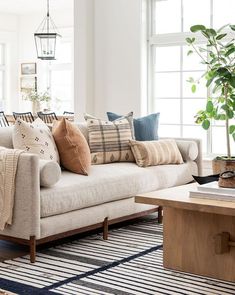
(109, 141)
(35, 138)
(152, 153)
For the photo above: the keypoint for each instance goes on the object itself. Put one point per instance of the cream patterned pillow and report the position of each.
(152, 153)
(35, 138)
(109, 141)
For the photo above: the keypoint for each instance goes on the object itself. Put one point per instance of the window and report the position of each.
(170, 67)
(60, 79)
(2, 77)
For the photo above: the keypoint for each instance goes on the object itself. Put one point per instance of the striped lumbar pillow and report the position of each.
(151, 153)
(109, 141)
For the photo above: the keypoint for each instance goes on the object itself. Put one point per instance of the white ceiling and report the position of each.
(29, 6)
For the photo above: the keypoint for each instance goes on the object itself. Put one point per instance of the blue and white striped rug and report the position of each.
(130, 262)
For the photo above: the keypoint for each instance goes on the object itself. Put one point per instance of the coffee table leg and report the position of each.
(189, 243)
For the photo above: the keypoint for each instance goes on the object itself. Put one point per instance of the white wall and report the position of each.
(116, 56)
(117, 33)
(9, 36)
(83, 57)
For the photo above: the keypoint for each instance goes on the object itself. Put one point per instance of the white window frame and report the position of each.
(172, 39)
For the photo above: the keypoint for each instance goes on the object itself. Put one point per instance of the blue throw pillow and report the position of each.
(145, 128)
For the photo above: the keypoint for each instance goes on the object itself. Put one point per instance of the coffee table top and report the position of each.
(178, 197)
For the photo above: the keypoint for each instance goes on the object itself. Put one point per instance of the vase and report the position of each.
(35, 107)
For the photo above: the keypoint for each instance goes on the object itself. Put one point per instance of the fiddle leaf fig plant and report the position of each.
(219, 57)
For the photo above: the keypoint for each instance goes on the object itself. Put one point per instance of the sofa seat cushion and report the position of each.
(108, 183)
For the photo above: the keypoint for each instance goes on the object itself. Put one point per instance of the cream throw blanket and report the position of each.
(8, 166)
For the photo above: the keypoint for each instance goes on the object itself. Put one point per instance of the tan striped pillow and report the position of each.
(151, 153)
(109, 141)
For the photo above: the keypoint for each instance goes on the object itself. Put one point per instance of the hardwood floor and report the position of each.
(10, 250)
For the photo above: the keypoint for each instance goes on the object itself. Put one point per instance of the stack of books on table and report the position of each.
(212, 191)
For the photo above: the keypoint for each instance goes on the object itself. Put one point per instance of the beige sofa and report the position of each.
(79, 203)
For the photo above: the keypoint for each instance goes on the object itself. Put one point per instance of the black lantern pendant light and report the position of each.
(45, 37)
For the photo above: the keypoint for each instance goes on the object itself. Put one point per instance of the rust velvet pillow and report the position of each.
(72, 146)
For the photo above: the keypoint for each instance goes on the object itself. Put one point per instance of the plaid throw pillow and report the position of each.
(109, 141)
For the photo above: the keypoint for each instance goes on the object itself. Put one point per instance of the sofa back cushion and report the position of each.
(72, 146)
(6, 137)
(109, 141)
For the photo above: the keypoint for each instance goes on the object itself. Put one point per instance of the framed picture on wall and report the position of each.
(28, 84)
(28, 69)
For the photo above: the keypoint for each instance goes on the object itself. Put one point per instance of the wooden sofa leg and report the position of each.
(32, 246)
(160, 216)
(105, 228)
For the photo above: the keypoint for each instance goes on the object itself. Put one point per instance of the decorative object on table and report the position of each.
(28, 84)
(72, 146)
(227, 179)
(27, 116)
(47, 118)
(28, 69)
(109, 141)
(213, 191)
(152, 153)
(3, 120)
(145, 128)
(220, 77)
(35, 138)
(46, 37)
(206, 179)
(37, 98)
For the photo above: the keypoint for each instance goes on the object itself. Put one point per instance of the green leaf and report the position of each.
(193, 88)
(206, 124)
(190, 52)
(211, 32)
(190, 80)
(221, 117)
(209, 106)
(233, 136)
(221, 36)
(224, 107)
(208, 83)
(229, 113)
(230, 51)
(232, 27)
(232, 81)
(231, 129)
(197, 28)
(190, 40)
(223, 71)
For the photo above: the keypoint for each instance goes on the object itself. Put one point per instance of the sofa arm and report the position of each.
(191, 150)
(26, 212)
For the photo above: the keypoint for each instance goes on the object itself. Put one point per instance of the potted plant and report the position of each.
(37, 98)
(219, 57)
